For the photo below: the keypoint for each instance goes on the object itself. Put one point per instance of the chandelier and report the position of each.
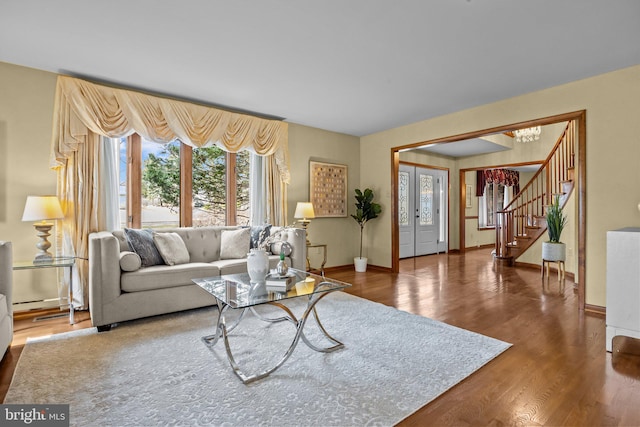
(528, 134)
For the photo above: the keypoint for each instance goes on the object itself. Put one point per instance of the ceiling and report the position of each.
(356, 67)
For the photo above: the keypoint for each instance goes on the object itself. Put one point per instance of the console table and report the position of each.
(623, 284)
(60, 262)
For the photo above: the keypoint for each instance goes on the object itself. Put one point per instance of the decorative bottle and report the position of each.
(282, 269)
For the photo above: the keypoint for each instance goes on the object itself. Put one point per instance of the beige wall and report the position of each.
(612, 103)
(26, 112)
(340, 234)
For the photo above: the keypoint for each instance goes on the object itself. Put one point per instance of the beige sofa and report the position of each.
(6, 289)
(116, 295)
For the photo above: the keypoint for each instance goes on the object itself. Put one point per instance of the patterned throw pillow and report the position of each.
(141, 242)
(260, 233)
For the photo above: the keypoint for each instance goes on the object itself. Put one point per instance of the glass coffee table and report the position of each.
(236, 291)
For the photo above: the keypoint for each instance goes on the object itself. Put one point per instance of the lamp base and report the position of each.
(305, 224)
(43, 258)
(44, 231)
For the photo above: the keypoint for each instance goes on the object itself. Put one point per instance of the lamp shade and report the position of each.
(304, 210)
(41, 208)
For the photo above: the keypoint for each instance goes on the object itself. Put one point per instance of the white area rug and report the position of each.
(158, 372)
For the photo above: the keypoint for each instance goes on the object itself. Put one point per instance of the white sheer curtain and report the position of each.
(257, 190)
(109, 159)
(482, 209)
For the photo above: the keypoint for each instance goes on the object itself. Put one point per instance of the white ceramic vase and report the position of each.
(257, 265)
(361, 264)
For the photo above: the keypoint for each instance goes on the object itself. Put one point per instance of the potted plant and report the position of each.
(554, 249)
(366, 209)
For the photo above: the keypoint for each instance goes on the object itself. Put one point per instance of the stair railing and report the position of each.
(528, 206)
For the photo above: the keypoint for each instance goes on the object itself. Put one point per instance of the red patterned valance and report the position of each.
(506, 177)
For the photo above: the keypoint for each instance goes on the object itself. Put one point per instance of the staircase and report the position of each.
(522, 222)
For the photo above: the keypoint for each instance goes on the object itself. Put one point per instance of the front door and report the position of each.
(422, 201)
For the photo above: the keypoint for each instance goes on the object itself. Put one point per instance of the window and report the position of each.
(174, 185)
(493, 201)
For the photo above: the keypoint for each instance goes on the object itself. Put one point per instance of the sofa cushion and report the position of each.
(234, 244)
(203, 243)
(130, 261)
(141, 242)
(171, 248)
(165, 276)
(259, 233)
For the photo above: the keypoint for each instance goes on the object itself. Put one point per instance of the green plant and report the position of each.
(366, 209)
(556, 220)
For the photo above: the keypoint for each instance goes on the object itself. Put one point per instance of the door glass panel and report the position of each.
(403, 197)
(426, 199)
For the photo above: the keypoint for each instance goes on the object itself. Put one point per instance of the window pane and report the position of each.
(488, 194)
(209, 186)
(160, 184)
(243, 213)
(403, 197)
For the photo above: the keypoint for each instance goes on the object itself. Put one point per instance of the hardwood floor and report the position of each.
(557, 372)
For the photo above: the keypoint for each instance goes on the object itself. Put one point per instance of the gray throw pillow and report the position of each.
(141, 242)
(234, 244)
(171, 248)
(259, 233)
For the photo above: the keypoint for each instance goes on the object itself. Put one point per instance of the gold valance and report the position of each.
(81, 106)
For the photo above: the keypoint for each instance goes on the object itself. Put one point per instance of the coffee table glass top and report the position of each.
(237, 291)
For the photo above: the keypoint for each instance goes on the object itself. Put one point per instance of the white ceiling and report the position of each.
(351, 66)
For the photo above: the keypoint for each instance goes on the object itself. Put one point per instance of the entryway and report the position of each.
(423, 197)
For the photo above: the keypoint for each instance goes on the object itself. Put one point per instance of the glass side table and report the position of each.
(324, 259)
(59, 262)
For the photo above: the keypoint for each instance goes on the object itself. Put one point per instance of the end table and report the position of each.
(59, 262)
(324, 259)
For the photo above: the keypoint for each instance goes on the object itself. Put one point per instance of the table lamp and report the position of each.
(304, 210)
(44, 209)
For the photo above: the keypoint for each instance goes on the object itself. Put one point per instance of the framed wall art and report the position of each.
(328, 189)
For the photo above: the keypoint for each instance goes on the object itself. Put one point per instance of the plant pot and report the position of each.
(361, 264)
(553, 251)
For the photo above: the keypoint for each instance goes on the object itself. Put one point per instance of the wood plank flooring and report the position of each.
(557, 373)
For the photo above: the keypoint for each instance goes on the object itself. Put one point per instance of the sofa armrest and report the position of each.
(6, 274)
(297, 238)
(104, 273)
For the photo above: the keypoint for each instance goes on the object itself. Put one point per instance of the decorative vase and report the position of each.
(361, 264)
(257, 265)
(553, 251)
(282, 268)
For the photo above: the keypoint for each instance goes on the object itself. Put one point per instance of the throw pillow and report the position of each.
(171, 248)
(234, 244)
(130, 261)
(141, 242)
(259, 233)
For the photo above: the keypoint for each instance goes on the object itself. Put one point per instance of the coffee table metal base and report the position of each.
(222, 331)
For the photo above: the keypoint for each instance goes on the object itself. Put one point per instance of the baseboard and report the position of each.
(529, 265)
(596, 309)
(337, 268)
(475, 248)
